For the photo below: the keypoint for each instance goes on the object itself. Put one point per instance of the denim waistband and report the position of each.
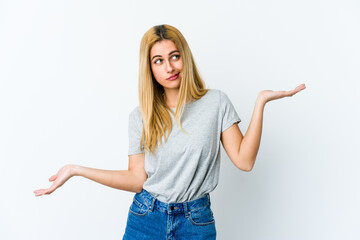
(182, 207)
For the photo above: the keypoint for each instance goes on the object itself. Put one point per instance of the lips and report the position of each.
(173, 77)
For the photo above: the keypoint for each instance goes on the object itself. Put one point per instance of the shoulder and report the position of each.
(223, 99)
(217, 94)
(215, 99)
(214, 96)
(213, 93)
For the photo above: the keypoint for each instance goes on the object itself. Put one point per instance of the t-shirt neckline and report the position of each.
(192, 102)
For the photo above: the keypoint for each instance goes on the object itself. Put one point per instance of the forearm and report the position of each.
(251, 142)
(119, 179)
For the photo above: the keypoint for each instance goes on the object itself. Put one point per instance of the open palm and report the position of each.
(58, 180)
(269, 95)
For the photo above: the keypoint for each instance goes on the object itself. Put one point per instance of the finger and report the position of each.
(287, 93)
(39, 192)
(300, 87)
(296, 90)
(45, 191)
(53, 177)
(292, 92)
(51, 189)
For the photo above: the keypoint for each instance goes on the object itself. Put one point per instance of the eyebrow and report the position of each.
(160, 55)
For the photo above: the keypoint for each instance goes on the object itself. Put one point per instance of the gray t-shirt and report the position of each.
(186, 166)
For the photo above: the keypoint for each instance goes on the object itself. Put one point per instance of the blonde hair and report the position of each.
(154, 110)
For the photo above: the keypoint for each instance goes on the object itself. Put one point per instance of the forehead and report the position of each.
(163, 48)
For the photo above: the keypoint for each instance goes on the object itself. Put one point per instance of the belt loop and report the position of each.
(208, 196)
(186, 210)
(152, 204)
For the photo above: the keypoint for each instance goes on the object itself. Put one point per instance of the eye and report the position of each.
(176, 56)
(157, 61)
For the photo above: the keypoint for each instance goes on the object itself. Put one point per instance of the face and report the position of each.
(166, 64)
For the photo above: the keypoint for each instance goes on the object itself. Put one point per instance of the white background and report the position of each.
(68, 80)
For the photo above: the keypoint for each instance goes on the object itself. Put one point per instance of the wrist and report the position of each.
(74, 169)
(261, 100)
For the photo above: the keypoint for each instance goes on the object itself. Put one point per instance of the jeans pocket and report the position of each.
(139, 207)
(202, 216)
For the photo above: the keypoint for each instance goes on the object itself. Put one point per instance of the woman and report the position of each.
(182, 157)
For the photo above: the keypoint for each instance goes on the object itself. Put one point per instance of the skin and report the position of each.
(242, 150)
(165, 62)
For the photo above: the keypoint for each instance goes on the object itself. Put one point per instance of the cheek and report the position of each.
(179, 65)
(156, 72)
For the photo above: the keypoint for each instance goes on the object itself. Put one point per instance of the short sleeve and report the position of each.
(229, 115)
(134, 132)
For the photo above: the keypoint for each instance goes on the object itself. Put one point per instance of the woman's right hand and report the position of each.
(64, 174)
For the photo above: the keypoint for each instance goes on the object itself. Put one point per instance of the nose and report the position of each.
(169, 67)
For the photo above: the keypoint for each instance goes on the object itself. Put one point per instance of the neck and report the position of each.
(171, 96)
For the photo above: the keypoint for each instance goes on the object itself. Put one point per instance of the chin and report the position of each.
(172, 86)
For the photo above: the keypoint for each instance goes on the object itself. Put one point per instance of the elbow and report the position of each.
(138, 190)
(248, 169)
(245, 161)
(137, 181)
(139, 185)
(246, 166)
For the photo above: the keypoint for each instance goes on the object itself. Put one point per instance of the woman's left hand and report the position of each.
(269, 95)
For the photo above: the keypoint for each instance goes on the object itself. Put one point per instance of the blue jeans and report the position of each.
(150, 218)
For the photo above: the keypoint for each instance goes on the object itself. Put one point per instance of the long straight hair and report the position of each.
(154, 110)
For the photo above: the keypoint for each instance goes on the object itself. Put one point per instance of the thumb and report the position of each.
(53, 177)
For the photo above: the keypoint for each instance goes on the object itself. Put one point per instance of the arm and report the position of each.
(242, 151)
(129, 180)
